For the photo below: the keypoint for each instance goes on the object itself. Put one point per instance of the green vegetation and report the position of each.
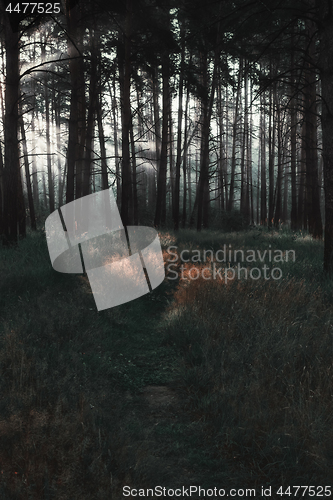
(250, 364)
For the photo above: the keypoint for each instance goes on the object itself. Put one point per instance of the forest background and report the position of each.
(190, 112)
(214, 116)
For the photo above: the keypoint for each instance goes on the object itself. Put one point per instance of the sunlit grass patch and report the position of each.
(167, 238)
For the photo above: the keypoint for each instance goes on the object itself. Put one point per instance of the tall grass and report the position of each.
(257, 364)
(66, 429)
(252, 361)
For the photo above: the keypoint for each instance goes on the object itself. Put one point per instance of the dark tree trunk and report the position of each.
(104, 167)
(56, 107)
(50, 181)
(310, 116)
(13, 216)
(115, 139)
(278, 198)
(249, 161)
(134, 176)
(221, 150)
(234, 139)
(73, 119)
(90, 119)
(293, 137)
(27, 177)
(301, 212)
(326, 72)
(271, 134)
(186, 177)
(125, 79)
(153, 174)
(171, 159)
(263, 190)
(33, 135)
(203, 198)
(160, 213)
(1, 191)
(179, 134)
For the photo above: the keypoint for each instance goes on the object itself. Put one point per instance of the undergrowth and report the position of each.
(251, 360)
(256, 361)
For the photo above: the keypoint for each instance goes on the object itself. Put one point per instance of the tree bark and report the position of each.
(326, 73)
(125, 79)
(179, 132)
(47, 132)
(263, 190)
(27, 177)
(77, 93)
(278, 197)
(271, 135)
(293, 137)
(160, 213)
(13, 216)
(310, 116)
(134, 177)
(234, 139)
(90, 118)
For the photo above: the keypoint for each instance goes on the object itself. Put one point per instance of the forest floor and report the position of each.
(212, 383)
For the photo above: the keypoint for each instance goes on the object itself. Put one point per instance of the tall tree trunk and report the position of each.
(56, 107)
(125, 79)
(179, 132)
(185, 148)
(263, 190)
(35, 189)
(115, 138)
(293, 137)
(258, 179)
(326, 71)
(203, 197)
(90, 118)
(189, 184)
(171, 160)
(278, 199)
(301, 212)
(27, 177)
(203, 184)
(245, 164)
(160, 213)
(76, 105)
(249, 161)
(153, 174)
(221, 148)
(50, 180)
(1, 191)
(313, 202)
(271, 135)
(13, 217)
(134, 176)
(104, 167)
(234, 138)
(285, 187)
(242, 169)
(226, 157)
(2, 98)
